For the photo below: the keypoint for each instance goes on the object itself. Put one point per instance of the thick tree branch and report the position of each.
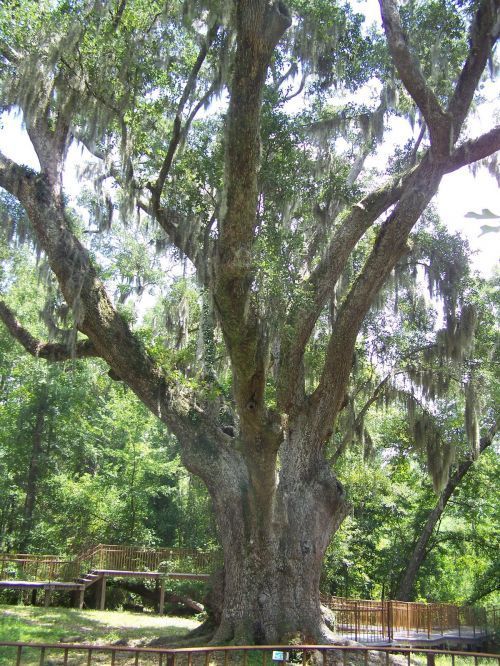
(260, 25)
(320, 286)
(96, 317)
(474, 150)
(411, 75)
(49, 351)
(483, 34)
(418, 189)
(9, 54)
(50, 147)
(13, 176)
(389, 247)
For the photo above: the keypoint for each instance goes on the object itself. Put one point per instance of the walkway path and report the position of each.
(365, 621)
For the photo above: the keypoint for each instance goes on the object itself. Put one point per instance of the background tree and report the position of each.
(106, 469)
(286, 232)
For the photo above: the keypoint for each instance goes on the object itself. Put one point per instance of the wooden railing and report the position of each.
(365, 619)
(358, 618)
(279, 655)
(122, 558)
(25, 566)
(130, 558)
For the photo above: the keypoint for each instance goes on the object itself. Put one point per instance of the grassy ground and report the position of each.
(68, 625)
(54, 625)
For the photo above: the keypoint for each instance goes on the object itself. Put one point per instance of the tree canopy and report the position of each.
(243, 142)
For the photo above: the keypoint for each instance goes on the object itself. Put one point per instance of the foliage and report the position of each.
(257, 275)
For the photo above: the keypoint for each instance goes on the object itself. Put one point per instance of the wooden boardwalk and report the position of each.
(362, 620)
(470, 636)
(96, 566)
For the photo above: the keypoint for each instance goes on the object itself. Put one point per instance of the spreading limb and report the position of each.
(51, 351)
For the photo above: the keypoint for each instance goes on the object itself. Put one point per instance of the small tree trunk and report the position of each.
(405, 587)
(33, 470)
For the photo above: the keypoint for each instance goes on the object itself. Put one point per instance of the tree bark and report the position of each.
(274, 520)
(419, 553)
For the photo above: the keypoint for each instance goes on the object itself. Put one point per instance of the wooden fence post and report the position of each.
(390, 620)
(102, 596)
(162, 596)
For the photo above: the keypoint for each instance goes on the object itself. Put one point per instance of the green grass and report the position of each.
(445, 660)
(54, 625)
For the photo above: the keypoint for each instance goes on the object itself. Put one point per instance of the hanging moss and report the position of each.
(440, 456)
(427, 439)
(457, 339)
(472, 411)
(434, 382)
(206, 338)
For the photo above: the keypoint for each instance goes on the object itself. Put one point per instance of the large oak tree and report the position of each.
(271, 215)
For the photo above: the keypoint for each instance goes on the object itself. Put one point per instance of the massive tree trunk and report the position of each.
(275, 515)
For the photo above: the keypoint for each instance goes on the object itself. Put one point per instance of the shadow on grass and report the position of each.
(54, 625)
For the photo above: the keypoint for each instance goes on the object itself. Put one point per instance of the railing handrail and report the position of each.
(42, 557)
(160, 549)
(425, 604)
(388, 615)
(376, 604)
(104, 546)
(251, 648)
(88, 553)
(35, 557)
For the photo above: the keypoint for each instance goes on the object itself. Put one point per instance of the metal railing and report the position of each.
(368, 620)
(321, 655)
